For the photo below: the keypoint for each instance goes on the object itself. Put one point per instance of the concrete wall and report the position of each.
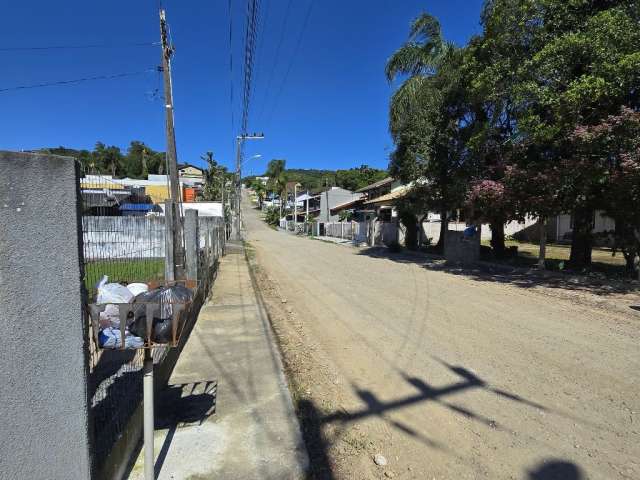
(461, 249)
(123, 237)
(44, 407)
(332, 198)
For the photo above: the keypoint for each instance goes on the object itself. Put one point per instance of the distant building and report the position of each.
(331, 198)
(187, 170)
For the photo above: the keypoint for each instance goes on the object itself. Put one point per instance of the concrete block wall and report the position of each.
(459, 248)
(44, 414)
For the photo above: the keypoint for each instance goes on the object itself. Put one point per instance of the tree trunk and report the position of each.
(409, 220)
(420, 233)
(542, 224)
(497, 239)
(444, 226)
(581, 239)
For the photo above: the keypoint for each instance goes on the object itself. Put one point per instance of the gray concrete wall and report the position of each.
(461, 249)
(334, 197)
(123, 237)
(44, 407)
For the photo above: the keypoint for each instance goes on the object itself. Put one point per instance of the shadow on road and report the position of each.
(313, 421)
(556, 470)
(520, 277)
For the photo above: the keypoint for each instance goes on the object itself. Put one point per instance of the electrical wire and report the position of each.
(250, 47)
(74, 47)
(275, 60)
(291, 60)
(231, 106)
(77, 80)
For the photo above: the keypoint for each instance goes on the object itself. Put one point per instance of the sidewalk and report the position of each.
(227, 412)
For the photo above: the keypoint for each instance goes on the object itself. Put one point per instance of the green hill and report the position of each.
(314, 179)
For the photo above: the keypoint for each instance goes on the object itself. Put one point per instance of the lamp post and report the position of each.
(295, 207)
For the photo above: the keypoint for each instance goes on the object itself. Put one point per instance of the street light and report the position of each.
(257, 155)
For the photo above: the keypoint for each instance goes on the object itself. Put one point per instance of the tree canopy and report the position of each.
(534, 116)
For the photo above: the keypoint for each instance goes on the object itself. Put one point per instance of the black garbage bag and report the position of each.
(167, 299)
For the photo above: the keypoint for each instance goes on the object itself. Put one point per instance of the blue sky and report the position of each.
(330, 113)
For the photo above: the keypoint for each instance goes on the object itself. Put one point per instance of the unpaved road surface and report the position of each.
(449, 375)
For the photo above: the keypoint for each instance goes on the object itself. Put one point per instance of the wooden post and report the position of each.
(542, 225)
(172, 157)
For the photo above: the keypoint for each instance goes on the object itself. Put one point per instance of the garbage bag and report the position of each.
(138, 288)
(112, 338)
(161, 327)
(112, 292)
(110, 316)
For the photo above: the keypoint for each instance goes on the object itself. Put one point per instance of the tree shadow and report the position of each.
(500, 273)
(556, 470)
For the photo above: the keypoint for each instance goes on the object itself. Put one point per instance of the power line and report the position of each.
(260, 49)
(275, 60)
(70, 47)
(77, 80)
(291, 60)
(231, 68)
(249, 54)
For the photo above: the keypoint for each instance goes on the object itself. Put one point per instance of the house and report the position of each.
(186, 170)
(372, 201)
(331, 198)
(560, 229)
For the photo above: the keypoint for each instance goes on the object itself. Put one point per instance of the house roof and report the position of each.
(187, 165)
(379, 183)
(389, 197)
(140, 207)
(303, 197)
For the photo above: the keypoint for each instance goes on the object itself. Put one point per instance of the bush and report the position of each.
(272, 216)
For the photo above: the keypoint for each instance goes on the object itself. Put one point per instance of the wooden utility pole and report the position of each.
(172, 157)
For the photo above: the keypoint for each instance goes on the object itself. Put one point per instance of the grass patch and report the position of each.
(123, 271)
(557, 256)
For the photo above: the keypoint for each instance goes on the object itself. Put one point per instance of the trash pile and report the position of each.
(132, 304)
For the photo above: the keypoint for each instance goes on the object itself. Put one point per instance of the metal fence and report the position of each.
(353, 231)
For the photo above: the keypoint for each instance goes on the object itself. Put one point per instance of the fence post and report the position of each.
(191, 239)
(43, 382)
(169, 264)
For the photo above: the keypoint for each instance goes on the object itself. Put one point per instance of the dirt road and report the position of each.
(448, 374)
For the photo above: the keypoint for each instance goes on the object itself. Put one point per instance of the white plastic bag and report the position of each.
(112, 292)
(110, 317)
(112, 338)
(138, 288)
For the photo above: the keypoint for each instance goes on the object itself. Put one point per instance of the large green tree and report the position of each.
(428, 118)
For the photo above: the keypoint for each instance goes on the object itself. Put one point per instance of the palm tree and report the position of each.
(276, 171)
(419, 58)
(260, 191)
